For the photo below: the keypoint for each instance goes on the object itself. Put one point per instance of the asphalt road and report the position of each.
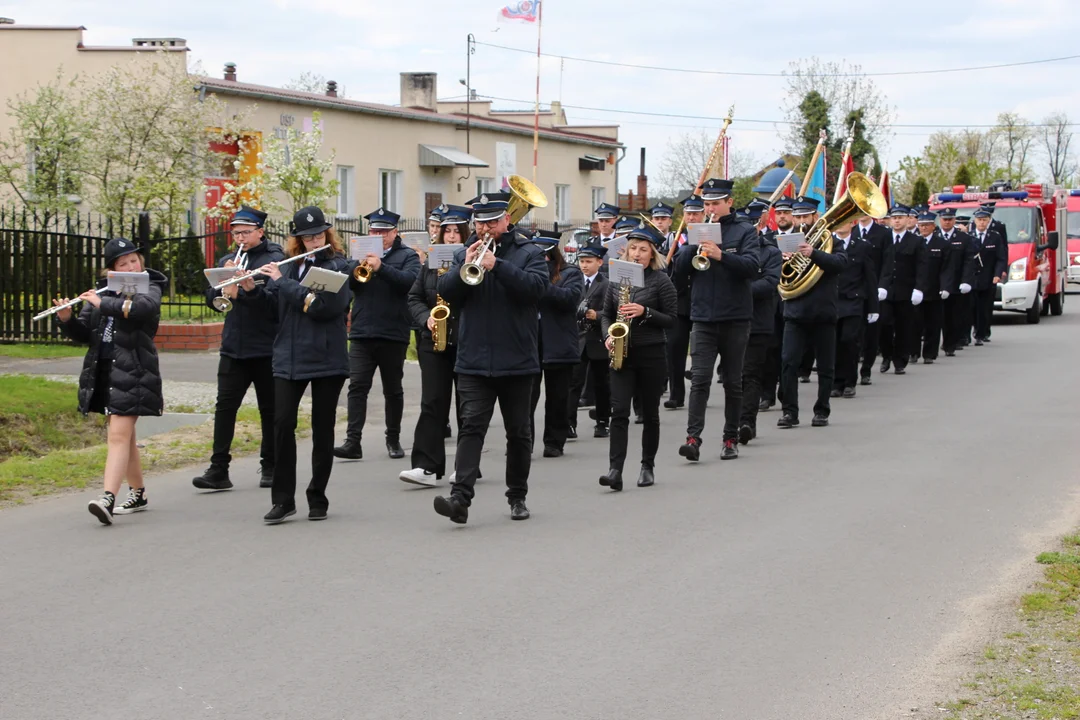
(808, 579)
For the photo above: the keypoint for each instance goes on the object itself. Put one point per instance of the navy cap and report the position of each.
(606, 211)
(898, 210)
(248, 216)
(783, 204)
(309, 221)
(692, 203)
(118, 248)
(382, 219)
(753, 212)
(592, 250)
(472, 202)
(741, 214)
(491, 206)
(641, 231)
(982, 212)
(804, 206)
(914, 210)
(927, 217)
(437, 213)
(547, 239)
(717, 189)
(661, 210)
(455, 214)
(625, 225)
(947, 212)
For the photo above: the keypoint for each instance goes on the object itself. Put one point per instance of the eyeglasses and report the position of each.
(241, 234)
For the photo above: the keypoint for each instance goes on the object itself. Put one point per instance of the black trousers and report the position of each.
(595, 371)
(437, 381)
(807, 365)
(678, 343)
(983, 312)
(849, 339)
(896, 341)
(324, 398)
(758, 348)
(798, 336)
(478, 395)
(954, 311)
(932, 314)
(556, 379)
(771, 373)
(871, 341)
(233, 380)
(364, 357)
(641, 378)
(707, 341)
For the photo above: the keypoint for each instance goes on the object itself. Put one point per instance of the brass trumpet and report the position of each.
(473, 273)
(363, 272)
(240, 261)
(701, 261)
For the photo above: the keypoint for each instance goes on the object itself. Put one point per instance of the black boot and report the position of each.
(613, 479)
(518, 511)
(351, 450)
(571, 434)
(645, 477)
(601, 430)
(452, 508)
(393, 447)
(266, 477)
(214, 479)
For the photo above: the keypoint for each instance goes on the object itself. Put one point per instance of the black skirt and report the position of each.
(99, 402)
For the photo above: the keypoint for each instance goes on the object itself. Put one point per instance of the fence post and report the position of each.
(144, 234)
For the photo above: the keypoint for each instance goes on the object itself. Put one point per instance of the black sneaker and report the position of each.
(351, 450)
(452, 508)
(136, 502)
(804, 378)
(394, 449)
(266, 478)
(672, 404)
(571, 434)
(316, 514)
(102, 508)
(786, 421)
(765, 406)
(819, 421)
(214, 479)
(601, 430)
(730, 451)
(550, 451)
(691, 450)
(849, 392)
(518, 511)
(746, 434)
(885, 365)
(866, 381)
(278, 513)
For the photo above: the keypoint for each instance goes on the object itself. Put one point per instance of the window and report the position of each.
(484, 185)
(346, 203)
(599, 197)
(562, 203)
(390, 190)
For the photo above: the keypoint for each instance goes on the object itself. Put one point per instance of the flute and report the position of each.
(253, 273)
(57, 308)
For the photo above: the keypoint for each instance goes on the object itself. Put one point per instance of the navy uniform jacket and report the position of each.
(991, 259)
(722, 293)
(962, 247)
(558, 318)
(497, 328)
(251, 325)
(590, 341)
(380, 309)
(310, 344)
(764, 292)
(856, 288)
(940, 266)
(819, 304)
(880, 239)
(907, 263)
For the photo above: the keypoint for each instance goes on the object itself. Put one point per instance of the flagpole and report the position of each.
(813, 164)
(843, 164)
(536, 105)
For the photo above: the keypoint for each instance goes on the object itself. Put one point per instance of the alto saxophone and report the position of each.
(619, 331)
(440, 313)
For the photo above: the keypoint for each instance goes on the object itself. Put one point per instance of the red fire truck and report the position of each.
(1069, 225)
(1035, 283)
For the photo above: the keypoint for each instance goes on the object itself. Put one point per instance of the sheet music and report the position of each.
(441, 256)
(615, 246)
(360, 246)
(704, 232)
(129, 283)
(790, 243)
(416, 240)
(217, 275)
(319, 279)
(619, 270)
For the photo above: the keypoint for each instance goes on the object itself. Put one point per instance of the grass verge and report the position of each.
(38, 416)
(1033, 671)
(42, 352)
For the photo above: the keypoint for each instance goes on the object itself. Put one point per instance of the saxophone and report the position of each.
(619, 331)
(440, 314)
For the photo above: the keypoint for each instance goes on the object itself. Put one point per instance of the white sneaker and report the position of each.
(419, 476)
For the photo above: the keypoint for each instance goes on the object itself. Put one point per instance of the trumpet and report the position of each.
(473, 273)
(240, 261)
(363, 272)
(247, 276)
(701, 261)
(57, 308)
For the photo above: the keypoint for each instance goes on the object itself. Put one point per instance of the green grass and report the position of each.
(41, 352)
(38, 416)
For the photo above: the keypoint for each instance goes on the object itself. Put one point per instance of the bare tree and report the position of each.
(684, 158)
(845, 89)
(1057, 137)
(311, 82)
(1016, 137)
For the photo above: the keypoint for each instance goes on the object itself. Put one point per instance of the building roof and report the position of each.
(232, 87)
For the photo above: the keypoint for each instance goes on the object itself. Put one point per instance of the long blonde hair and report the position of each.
(294, 245)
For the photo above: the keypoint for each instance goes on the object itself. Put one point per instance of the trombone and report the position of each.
(701, 261)
(240, 262)
(247, 276)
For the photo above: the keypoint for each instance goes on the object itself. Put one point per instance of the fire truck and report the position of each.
(1037, 272)
(1069, 222)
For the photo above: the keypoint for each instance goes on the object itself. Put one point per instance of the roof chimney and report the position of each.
(331, 88)
(230, 71)
(643, 180)
(418, 90)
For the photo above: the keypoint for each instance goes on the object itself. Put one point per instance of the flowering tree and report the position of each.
(249, 183)
(296, 170)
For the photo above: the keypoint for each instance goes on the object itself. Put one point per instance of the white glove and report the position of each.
(916, 297)
(944, 294)
(964, 288)
(882, 293)
(872, 318)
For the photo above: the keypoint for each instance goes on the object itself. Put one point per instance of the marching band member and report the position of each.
(678, 336)
(437, 378)
(120, 377)
(593, 359)
(903, 278)
(309, 350)
(434, 222)
(957, 305)
(856, 307)
(873, 232)
(810, 324)
(721, 310)
(804, 212)
(661, 217)
(651, 309)
(247, 348)
(497, 351)
(785, 225)
(558, 343)
(379, 334)
(940, 268)
(605, 216)
(991, 264)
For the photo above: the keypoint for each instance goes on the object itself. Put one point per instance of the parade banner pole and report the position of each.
(536, 105)
(813, 164)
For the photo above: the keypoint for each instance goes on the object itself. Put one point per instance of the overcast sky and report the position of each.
(364, 45)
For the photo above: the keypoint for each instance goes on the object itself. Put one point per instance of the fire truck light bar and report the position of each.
(965, 197)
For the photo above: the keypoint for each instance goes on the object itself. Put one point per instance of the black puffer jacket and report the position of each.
(660, 301)
(135, 378)
(380, 309)
(422, 297)
(819, 304)
(310, 344)
(722, 293)
(558, 319)
(764, 290)
(251, 325)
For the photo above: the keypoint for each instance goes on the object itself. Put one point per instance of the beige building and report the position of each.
(406, 158)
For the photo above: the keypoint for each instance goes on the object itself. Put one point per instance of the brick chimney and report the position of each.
(418, 90)
(230, 71)
(642, 180)
(331, 89)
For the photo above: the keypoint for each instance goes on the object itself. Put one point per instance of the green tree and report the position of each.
(297, 168)
(963, 176)
(814, 117)
(920, 192)
(743, 190)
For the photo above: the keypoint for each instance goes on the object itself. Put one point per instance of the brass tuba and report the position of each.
(524, 196)
(798, 273)
(619, 331)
